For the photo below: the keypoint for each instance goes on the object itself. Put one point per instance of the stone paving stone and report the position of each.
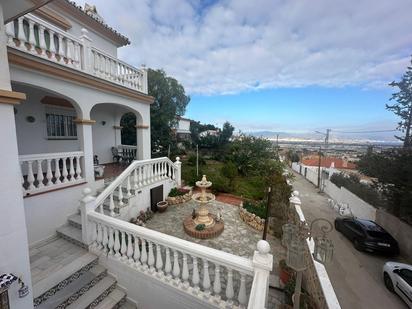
(237, 238)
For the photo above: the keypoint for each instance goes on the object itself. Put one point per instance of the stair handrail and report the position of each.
(126, 173)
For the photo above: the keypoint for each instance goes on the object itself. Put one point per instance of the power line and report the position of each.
(360, 132)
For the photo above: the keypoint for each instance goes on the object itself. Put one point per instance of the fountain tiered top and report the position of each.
(203, 197)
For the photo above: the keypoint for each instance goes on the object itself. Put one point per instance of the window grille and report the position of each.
(61, 126)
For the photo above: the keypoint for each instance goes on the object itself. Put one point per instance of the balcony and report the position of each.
(36, 37)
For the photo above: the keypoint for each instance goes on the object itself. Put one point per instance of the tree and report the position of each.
(229, 170)
(250, 153)
(403, 106)
(128, 124)
(196, 128)
(393, 171)
(226, 133)
(170, 100)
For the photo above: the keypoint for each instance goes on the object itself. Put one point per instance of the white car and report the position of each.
(398, 278)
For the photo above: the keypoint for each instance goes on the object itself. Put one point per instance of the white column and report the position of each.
(13, 232)
(84, 130)
(178, 176)
(87, 204)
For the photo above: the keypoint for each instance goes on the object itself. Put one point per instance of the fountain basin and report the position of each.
(214, 230)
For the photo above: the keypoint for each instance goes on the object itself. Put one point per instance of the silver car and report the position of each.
(398, 278)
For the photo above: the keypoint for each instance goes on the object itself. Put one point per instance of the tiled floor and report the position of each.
(237, 238)
(52, 256)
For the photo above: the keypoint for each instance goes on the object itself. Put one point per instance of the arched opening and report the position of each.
(45, 122)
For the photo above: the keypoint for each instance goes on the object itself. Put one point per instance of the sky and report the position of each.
(273, 64)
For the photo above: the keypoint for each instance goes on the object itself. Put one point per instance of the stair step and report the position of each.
(112, 300)
(67, 274)
(95, 295)
(75, 220)
(71, 234)
(75, 289)
(128, 305)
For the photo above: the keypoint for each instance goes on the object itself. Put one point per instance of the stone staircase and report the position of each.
(65, 275)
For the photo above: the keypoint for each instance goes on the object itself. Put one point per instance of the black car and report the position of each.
(367, 235)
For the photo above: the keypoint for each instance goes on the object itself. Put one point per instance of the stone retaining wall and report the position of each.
(251, 219)
(175, 200)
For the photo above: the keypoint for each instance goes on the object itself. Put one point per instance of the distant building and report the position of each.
(209, 132)
(337, 163)
(183, 129)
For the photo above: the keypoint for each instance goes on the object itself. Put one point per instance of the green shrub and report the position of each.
(229, 170)
(200, 227)
(192, 160)
(257, 208)
(176, 192)
(220, 184)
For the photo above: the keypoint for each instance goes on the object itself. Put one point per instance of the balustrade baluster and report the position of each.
(105, 239)
(64, 170)
(176, 266)
(217, 287)
(151, 259)
(78, 168)
(206, 277)
(32, 38)
(143, 255)
(123, 248)
(195, 273)
(116, 246)
(101, 68)
(128, 187)
(144, 174)
(101, 209)
(61, 50)
(111, 205)
(23, 181)
(229, 286)
(10, 33)
(39, 174)
(111, 241)
(242, 297)
(20, 32)
(94, 235)
(99, 236)
(120, 195)
(52, 46)
(69, 52)
(30, 175)
(95, 63)
(159, 260)
(76, 55)
(136, 255)
(135, 181)
(185, 271)
(71, 169)
(49, 174)
(57, 174)
(130, 249)
(168, 264)
(42, 40)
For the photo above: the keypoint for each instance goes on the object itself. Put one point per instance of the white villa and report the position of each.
(63, 92)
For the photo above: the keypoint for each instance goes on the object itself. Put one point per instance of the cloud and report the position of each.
(220, 47)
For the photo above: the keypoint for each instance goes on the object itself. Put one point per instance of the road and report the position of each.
(355, 276)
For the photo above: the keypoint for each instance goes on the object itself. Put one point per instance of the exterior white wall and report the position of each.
(104, 136)
(14, 250)
(32, 137)
(183, 126)
(46, 212)
(98, 41)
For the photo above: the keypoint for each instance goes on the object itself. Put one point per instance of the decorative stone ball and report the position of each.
(296, 193)
(263, 247)
(87, 191)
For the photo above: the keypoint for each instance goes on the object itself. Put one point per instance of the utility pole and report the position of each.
(320, 176)
(197, 160)
(265, 228)
(319, 164)
(277, 144)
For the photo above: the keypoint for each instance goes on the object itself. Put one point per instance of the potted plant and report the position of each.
(285, 272)
(162, 206)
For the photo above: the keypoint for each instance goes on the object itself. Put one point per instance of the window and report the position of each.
(61, 126)
(406, 275)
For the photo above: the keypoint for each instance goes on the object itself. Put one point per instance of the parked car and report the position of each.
(367, 235)
(398, 278)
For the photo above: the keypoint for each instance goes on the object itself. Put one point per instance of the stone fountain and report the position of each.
(203, 224)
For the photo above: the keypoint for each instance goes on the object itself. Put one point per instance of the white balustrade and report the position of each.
(32, 34)
(49, 171)
(107, 67)
(137, 175)
(176, 262)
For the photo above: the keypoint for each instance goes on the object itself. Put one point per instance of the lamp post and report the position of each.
(294, 237)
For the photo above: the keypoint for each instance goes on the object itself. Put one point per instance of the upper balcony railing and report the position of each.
(40, 38)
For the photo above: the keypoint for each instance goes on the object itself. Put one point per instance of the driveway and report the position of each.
(356, 276)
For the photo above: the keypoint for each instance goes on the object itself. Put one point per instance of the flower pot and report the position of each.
(162, 206)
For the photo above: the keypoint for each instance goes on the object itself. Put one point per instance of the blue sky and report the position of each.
(273, 64)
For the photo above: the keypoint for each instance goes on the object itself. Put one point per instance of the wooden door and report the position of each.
(156, 195)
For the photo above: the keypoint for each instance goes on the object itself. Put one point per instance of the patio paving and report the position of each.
(237, 238)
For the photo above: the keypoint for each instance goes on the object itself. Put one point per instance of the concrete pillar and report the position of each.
(143, 142)
(84, 131)
(14, 250)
